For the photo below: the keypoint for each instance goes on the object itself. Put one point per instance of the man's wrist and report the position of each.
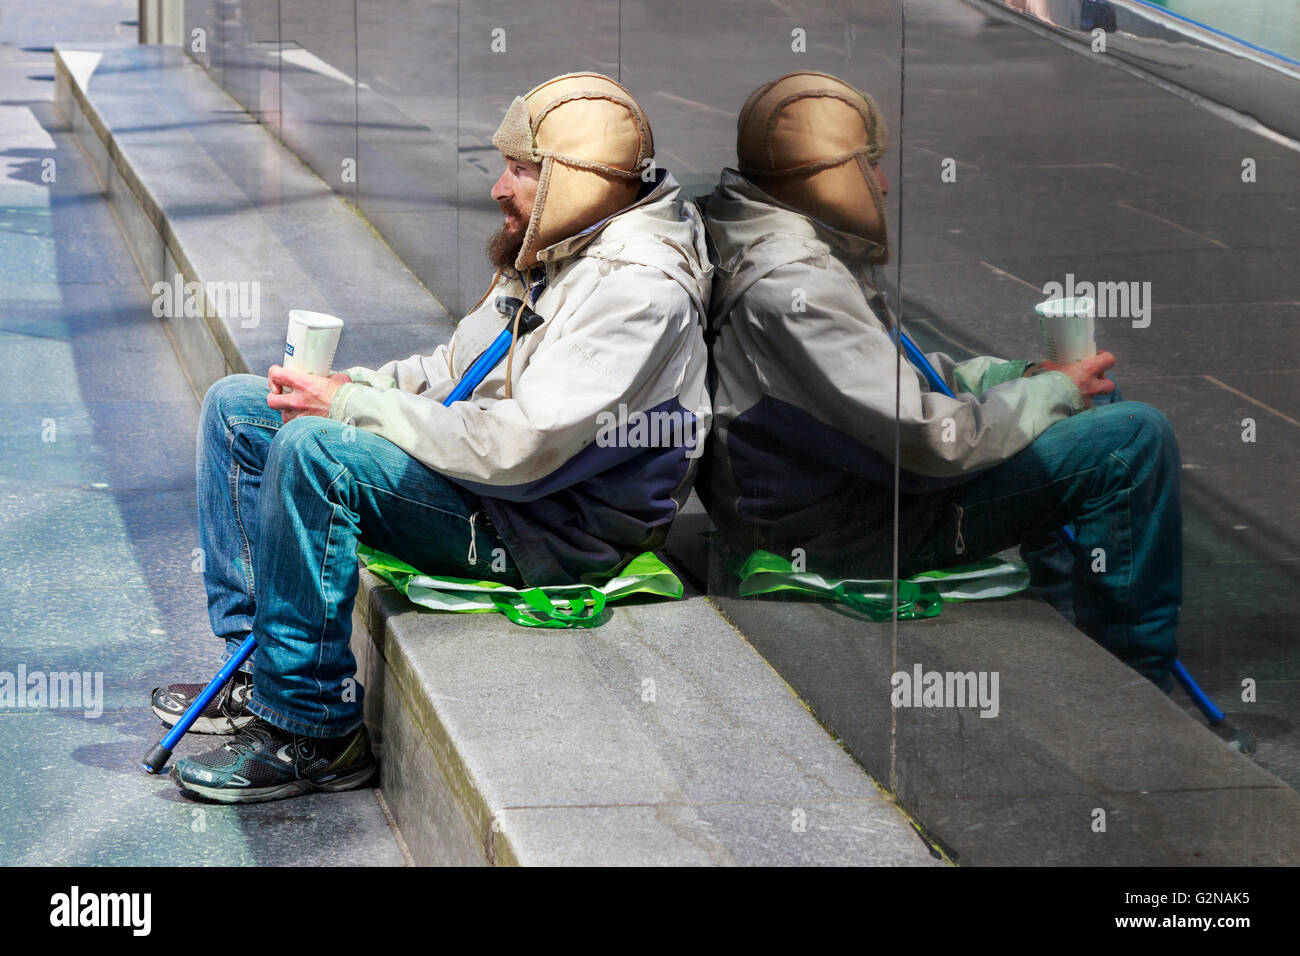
(338, 405)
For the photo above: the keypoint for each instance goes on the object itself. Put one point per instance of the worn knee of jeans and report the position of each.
(216, 400)
(1156, 446)
(298, 438)
(302, 446)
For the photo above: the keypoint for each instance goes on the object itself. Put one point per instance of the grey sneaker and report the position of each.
(227, 713)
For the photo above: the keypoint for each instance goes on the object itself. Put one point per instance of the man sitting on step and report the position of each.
(603, 276)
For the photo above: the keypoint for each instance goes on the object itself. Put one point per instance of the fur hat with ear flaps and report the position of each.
(809, 140)
(591, 139)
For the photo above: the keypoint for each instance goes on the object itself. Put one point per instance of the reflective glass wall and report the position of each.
(992, 170)
(1035, 170)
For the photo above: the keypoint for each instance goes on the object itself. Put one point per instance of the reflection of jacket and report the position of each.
(803, 372)
(623, 311)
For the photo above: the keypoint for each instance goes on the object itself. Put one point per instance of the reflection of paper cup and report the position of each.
(1068, 327)
(311, 341)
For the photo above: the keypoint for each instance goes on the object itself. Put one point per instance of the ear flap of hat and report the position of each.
(845, 197)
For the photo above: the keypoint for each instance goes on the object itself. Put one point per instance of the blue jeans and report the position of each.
(1114, 473)
(282, 565)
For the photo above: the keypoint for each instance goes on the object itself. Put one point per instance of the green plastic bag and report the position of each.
(920, 596)
(564, 605)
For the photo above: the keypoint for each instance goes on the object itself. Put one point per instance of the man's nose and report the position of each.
(500, 192)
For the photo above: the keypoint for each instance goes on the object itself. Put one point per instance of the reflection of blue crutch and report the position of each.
(1240, 739)
(157, 758)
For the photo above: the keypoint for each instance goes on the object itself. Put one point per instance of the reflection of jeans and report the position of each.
(283, 564)
(1051, 562)
(1113, 473)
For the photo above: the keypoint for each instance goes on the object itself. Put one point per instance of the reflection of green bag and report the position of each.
(563, 605)
(919, 596)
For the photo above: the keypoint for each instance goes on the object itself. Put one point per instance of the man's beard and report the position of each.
(503, 248)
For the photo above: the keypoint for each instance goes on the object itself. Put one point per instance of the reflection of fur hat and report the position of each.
(809, 140)
(591, 138)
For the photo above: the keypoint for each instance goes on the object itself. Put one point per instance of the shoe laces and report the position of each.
(251, 738)
(260, 735)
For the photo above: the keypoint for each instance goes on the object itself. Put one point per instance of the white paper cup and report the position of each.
(311, 341)
(1068, 327)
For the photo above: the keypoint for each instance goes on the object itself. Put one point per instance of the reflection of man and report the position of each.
(509, 484)
(804, 373)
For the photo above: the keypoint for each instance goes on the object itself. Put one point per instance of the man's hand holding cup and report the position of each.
(1068, 327)
(301, 393)
(303, 385)
(1089, 375)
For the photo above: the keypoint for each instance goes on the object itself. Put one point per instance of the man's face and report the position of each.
(514, 192)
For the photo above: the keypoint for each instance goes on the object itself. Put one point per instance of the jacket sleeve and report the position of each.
(837, 361)
(976, 375)
(416, 375)
(611, 349)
